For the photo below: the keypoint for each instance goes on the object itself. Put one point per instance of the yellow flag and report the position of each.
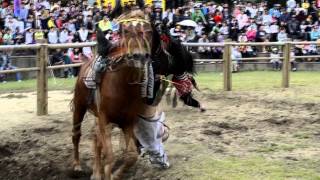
(107, 2)
(149, 2)
(124, 2)
(99, 3)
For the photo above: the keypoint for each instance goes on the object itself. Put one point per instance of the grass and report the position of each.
(259, 80)
(243, 81)
(202, 166)
(31, 85)
(254, 167)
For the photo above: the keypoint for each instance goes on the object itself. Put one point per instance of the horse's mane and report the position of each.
(182, 60)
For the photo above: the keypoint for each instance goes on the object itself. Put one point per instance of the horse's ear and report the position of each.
(140, 3)
(101, 39)
(104, 45)
(117, 10)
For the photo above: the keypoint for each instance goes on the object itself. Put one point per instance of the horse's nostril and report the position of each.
(135, 56)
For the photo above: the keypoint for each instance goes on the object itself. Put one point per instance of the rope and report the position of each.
(164, 79)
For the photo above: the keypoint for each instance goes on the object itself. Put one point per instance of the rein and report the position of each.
(164, 79)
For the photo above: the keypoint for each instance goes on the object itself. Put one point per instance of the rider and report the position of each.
(150, 129)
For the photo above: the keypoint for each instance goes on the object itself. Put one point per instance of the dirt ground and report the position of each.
(237, 133)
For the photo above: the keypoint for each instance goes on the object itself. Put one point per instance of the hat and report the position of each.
(274, 49)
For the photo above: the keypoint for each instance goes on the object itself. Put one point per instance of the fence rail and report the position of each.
(43, 59)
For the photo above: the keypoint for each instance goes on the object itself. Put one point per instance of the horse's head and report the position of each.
(136, 32)
(135, 35)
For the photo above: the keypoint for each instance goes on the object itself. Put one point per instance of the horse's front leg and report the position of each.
(104, 129)
(130, 154)
(96, 170)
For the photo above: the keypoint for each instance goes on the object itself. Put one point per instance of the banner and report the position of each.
(109, 2)
(16, 7)
(99, 3)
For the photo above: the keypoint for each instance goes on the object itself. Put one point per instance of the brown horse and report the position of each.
(118, 98)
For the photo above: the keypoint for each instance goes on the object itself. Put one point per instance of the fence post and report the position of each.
(227, 79)
(42, 80)
(286, 65)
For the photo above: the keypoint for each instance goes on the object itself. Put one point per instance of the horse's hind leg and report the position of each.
(130, 154)
(78, 115)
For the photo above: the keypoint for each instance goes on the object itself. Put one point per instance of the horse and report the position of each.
(117, 99)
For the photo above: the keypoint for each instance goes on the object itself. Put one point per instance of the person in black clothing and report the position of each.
(233, 30)
(57, 58)
(294, 28)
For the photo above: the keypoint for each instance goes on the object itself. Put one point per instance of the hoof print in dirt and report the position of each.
(210, 132)
(46, 130)
(228, 126)
(5, 151)
(78, 174)
(279, 121)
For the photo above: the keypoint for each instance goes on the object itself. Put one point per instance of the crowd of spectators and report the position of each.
(76, 21)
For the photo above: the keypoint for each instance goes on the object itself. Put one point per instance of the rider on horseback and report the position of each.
(150, 129)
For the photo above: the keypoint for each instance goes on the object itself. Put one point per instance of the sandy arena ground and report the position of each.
(236, 125)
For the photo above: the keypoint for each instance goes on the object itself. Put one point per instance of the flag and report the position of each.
(16, 7)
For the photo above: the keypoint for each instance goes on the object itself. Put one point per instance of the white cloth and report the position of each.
(63, 37)
(149, 131)
(29, 37)
(83, 34)
(53, 37)
(235, 55)
(242, 20)
(274, 57)
(291, 4)
(274, 28)
(266, 19)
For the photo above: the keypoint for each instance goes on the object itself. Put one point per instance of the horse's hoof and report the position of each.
(96, 177)
(77, 168)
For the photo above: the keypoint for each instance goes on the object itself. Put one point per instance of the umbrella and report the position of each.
(189, 23)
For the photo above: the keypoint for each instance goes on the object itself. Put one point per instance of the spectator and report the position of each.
(76, 57)
(29, 38)
(105, 24)
(67, 60)
(204, 51)
(275, 59)
(8, 37)
(7, 65)
(293, 61)
(235, 56)
(87, 52)
(83, 34)
(63, 35)
(198, 16)
(53, 36)
(314, 34)
(274, 30)
(282, 35)
(39, 36)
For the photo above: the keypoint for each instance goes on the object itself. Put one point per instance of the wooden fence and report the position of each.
(43, 59)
